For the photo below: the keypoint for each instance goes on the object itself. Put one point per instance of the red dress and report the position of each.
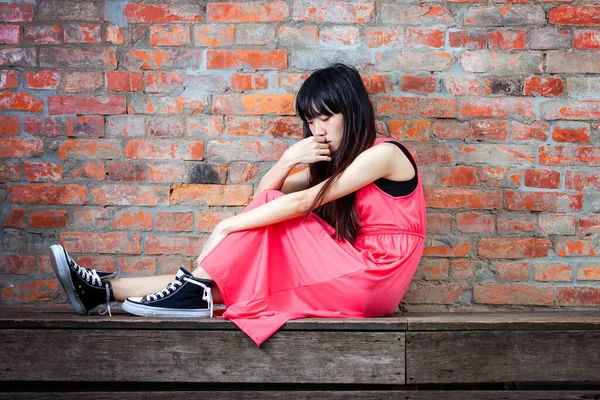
(289, 270)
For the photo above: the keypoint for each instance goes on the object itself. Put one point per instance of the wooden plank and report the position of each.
(209, 356)
(314, 395)
(510, 320)
(57, 320)
(503, 356)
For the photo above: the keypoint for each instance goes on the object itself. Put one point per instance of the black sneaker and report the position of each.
(86, 288)
(186, 296)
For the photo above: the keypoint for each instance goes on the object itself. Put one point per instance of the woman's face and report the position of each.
(331, 127)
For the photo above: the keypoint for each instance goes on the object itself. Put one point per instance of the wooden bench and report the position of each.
(504, 355)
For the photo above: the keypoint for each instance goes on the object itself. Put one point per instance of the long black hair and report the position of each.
(328, 91)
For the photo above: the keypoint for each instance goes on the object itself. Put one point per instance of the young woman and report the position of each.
(341, 238)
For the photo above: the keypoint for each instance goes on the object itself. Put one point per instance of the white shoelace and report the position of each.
(93, 277)
(206, 295)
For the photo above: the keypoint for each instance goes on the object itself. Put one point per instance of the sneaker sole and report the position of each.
(63, 273)
(147, 311)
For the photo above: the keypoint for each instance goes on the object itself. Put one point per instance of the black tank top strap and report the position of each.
(395, 188)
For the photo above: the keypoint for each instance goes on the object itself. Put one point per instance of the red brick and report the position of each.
(439, 223)
(8, 79)
(435, 294)
(10, 126)
(17, 264)
(416, 130)
(589, 225)
(167, 105)
(463, 269)
(104, 104)
(459, 176)
(496, 107)
(521, 294)
(377, 83)
(82, 149)
(159, 82)
(48, 219)
(43, 126)
(83, 33)
(489, 130)
(169, 35)
(271, 11)
(580, 180)
(162, 14)
(207, 220)
(91, 218)
(254, 59)
(425, 15)
(133, 221)
(451, 129)
(42, 80)
(463, 85)
(164, 150)
(92, 170)
(42, 171)
(543, 201)
(20, 148)
(340, 35)
(462, 198)
(10, 171)
(418, 84)
(136, 266)
(201, 126)
(535, 131)
(447, 247)
(254, 151)
(549, 87)
(34, 291)
(501, 63)
(495, 153)
(507, 40)
(14, 12)
(575, 15)
(285, 127)
(573, 247)
(124, 81)
(85, 127)
(302, 36)
(542, 178)
(586, 39)
(413, 61)
(15, 219)
(577, 296)
(243, 82)
(384, 36)
(552, 272)
(173, 244)
(571, 132)
(165, 127)
(43, 34)
(19, 101)
(432, 270)
(425, 37)
(569, 155)
(254, 104)
(81, 57)
(75, 82)
(517, 271)
(109, 243)
(334, 11)
(416, 106)
(475, 223)
(47, 194)
(241, 173)
(226, 195)
(124, 171)
(175, 221)
(516, 223)
(467, 40)
(10, 34)
(244, 126)
(556, 224)
(113, 35)
(140, 195)
(572, 62)
(514, 248)
(214, 36)
(431, 153)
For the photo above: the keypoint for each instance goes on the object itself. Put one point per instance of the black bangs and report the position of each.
(317, 97)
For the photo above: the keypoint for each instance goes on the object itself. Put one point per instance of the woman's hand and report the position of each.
(218, 234)
(309, 150)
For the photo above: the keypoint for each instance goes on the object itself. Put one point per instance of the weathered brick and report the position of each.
(467, 40)
(425, 37)
(165, 127)
(175, 221)
(101, 243)
(164, 150)
(517, 271)
(167, 173)
(166, 58)
(589, 224)
(173, 244)
(15, 12)
(575, 15)
(489, 130)
(543, 201)
(162, 82)
(125, 125)
(129, 172)
(99, 58)
(207, 220)
(556, 224)
(413, 61)
(134, 221)
(577, 296)
(208, 173)
(447, 247)
(9, 125)
(255, 34)
(502, 63)
(201, 126)
(451, 129)
(410, 130)
(42, 80)
(439, 223)
(462, 198)
(33, 291)
(20, 101)
(507, 40)
(507, 86)
(514, 248)
(10, 34)
(516, 293)
(586, 39)
(552, 272)
(520, 15)
(569, 155)
(114, 35)
(540, 86)
(228, 150)
(47, 194)
(244, 82)
(549, 39)
(431, 153)
(13, 57)
(334, 11)
(136, 266)
(573, 132)
(535, 131)
(124, 81)
(61, 10)
(43, 34)
(173, 35)
(309, 59)
(495, 154)
(154, 105)
(254, 59)
(105, 104)
(285, 127)
(162, 13)
(17, 264)
(475, 223)
(571, 109)
(573, 62)
(414, 15)
(435, 294)
(384, 36)
(271, 11)
(48, 219)
(82, 33)
(207, 83)
(225, 195)
(92, 170)
(566, 247)
(463, 85)
(241, 173)
(20, 148)
(8, 79)
(299, 37)
(254, 104)
(244, 126)
(516, 223)
(496, 107)
(416, 106)
(76, 82)
(432, 270)
(15, 219)
(582, 180)
(418, 84)
(43, 126)
(99, 149)
(340, 35)
(542, 178)
(42, 171)
(126, 195)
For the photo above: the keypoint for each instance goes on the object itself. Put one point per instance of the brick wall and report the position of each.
(128, 130)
